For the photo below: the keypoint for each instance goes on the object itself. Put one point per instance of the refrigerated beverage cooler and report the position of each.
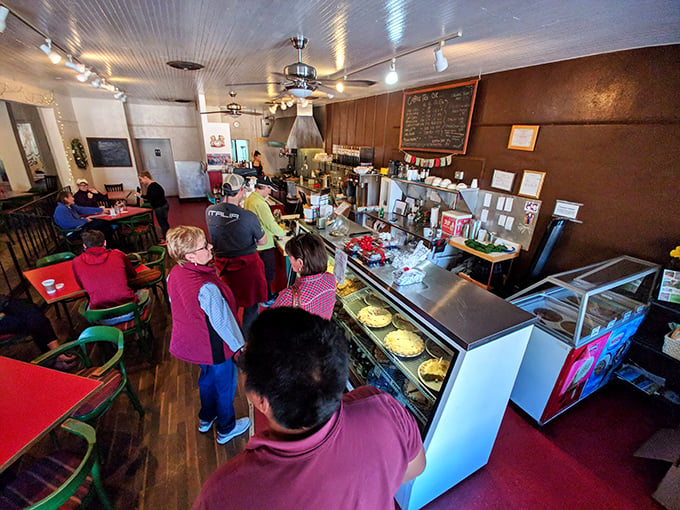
(586, 318)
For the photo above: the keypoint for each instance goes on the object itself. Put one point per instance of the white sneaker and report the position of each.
(205, 426)
(240, 427)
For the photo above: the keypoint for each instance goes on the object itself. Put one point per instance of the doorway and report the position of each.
(239, 148)
(155, 154)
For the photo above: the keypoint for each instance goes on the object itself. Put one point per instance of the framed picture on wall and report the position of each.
(523, 138)
(503, 180)
(532, 182)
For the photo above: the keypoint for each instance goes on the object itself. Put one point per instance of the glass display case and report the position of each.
(586, 318)
(391, 350)
(578, 305)
(447, 350)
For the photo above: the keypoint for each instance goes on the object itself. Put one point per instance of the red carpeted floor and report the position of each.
(583, 459)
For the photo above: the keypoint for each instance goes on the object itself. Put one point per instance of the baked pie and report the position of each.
(374, 317)
(349, 286)
(433, 370)
(404, 343)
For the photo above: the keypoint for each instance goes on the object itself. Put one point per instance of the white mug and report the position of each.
(481, 235)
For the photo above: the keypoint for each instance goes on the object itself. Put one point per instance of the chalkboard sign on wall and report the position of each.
(438, 119)
(109, 152)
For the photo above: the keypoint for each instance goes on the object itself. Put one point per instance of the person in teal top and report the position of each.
(256, 202)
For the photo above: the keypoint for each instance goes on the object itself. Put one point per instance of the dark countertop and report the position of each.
(450, 305)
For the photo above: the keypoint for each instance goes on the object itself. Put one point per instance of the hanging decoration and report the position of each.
(427, 162)
(79, 153)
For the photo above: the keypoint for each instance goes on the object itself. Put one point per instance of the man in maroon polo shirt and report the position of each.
(323, 449)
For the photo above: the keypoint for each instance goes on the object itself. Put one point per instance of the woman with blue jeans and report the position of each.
(204, 329)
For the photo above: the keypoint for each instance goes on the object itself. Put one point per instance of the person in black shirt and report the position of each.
(257, 164)
(155, 195)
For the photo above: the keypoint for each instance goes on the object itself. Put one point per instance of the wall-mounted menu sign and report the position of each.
(438, 119)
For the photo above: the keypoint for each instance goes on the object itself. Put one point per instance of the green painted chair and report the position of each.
(60, 480)
(139, 325)
(111, 374)
(70, 238)
(55, 258)
(153, 258)
(136, 229)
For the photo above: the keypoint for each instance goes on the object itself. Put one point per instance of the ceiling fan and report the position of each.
(234, 109)
(300, 79)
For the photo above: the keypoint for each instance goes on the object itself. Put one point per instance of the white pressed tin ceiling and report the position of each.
(130, 41)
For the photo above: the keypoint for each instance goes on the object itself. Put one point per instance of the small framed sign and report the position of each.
(503, 180)
(531, 185)
(523, 138)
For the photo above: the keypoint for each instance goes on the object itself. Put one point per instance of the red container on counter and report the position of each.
(454, 221)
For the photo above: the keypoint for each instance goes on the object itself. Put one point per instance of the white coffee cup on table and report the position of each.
(49, 286)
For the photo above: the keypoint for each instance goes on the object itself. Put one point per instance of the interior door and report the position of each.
(156, 157)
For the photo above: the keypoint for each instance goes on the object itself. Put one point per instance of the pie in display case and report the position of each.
(586, 318)
(388, 350)
(447, 350)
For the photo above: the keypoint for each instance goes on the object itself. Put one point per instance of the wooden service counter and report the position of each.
(459, 372)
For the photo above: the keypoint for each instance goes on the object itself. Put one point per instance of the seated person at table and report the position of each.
(323, 448)
(69, 216)
(19, 317)
(106, 276)
(86, 196)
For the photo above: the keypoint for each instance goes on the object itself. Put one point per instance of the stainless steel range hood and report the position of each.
(299, 132)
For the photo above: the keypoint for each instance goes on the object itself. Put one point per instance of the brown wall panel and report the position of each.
(608, 138)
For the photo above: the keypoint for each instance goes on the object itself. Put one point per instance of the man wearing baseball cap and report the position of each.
(235, 234)
(257, 203)
(86, 196)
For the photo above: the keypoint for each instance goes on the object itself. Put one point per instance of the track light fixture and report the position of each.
(119, 94)
(273, 108)
(96, 83)
(84, 76)
(283, 107)
(79, 68)
(290, 103)
(440, 62)
(4, 12)
(46, 48)
(340, 86)
(392, 77)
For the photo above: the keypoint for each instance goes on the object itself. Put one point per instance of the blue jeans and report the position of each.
(217, 386)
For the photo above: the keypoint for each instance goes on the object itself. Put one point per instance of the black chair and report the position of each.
(113, 187)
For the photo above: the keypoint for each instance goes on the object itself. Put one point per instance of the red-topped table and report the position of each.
(33, 401)
(60, 273)
(129, 212)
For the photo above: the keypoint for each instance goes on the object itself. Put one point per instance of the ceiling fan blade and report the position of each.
(252, 83)
(359, 83)
(218, 111)
(250, 113)
(326, 89)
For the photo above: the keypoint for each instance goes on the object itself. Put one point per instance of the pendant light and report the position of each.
(440, 62)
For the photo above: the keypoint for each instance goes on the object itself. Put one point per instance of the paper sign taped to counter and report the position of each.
(509, 222)
(487, 199)
(340, 265)
(500, 203)
(501, 220)
(485, 215)
(508, 204)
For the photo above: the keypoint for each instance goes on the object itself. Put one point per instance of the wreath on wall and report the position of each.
(79, 153)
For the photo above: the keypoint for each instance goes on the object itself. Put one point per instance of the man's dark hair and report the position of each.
(92, 238)
(311, 250)
(63, 195)
(298, 362)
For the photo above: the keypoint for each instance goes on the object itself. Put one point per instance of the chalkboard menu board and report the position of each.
(109, 152)
(438, 119)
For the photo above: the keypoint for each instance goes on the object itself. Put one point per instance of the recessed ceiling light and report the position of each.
(185, 65)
